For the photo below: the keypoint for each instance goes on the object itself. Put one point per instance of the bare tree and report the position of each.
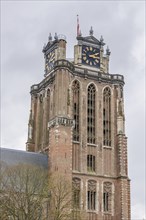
(23, 192)
(62, 205)
(61, 199)
(28, 193)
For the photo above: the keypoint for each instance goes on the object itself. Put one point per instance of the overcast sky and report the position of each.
(25, 27)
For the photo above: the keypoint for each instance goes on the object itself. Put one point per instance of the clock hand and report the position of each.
(93, 56)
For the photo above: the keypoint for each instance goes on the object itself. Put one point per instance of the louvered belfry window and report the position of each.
(76, 102)
(91, 114)
(107, 117)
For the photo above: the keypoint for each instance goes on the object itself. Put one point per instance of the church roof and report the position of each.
(91, 40)
(14, 157)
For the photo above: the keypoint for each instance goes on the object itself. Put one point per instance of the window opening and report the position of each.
(76, 95)
(76, 193)
(48, 115)
(107, 117)
(107, 195)
(91, 114)
(91, 195)
(90, 163)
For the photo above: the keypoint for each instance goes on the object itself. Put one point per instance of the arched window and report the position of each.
(76, 192)
(91, 114)
(107, 196)
(47, 115)
(76, 102)
(40, 123)
(41, 98)
(48, 104)
(91, 196)
(107, 117)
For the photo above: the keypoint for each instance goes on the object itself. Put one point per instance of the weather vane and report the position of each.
(78, 27)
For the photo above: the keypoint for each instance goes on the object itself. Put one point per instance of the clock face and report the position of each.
(50, 59)
(91, 56)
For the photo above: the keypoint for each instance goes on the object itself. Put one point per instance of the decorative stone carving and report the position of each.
(76, 183)
(91, 185)
(108, 187)
(30, 126)
(61, 121)
(30, 132)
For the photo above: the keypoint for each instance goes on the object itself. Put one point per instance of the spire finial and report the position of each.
(44, 46)
(108, 51)
(56, 36)
(50, 37)
(91, 31)
(101, 39)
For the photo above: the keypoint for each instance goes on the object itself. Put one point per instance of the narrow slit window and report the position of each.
(105, 201)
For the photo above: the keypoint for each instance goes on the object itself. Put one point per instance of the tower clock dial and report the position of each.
(91, 56)
(50, 59)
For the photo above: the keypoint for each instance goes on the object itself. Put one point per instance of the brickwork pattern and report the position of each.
(52, 133)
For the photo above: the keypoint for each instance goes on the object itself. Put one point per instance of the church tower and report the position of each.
(77, 118)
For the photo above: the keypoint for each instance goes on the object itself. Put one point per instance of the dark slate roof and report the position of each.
(14, 157)
(89, 39)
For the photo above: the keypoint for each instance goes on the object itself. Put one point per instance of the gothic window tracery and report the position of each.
(107, 196)
(76, 102)
(76, 192)
(91, 114)
(91, 196)
(107, 117)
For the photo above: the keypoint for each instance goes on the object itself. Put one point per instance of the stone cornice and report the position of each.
(77, 71)
(38, 87)
(94, 175)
